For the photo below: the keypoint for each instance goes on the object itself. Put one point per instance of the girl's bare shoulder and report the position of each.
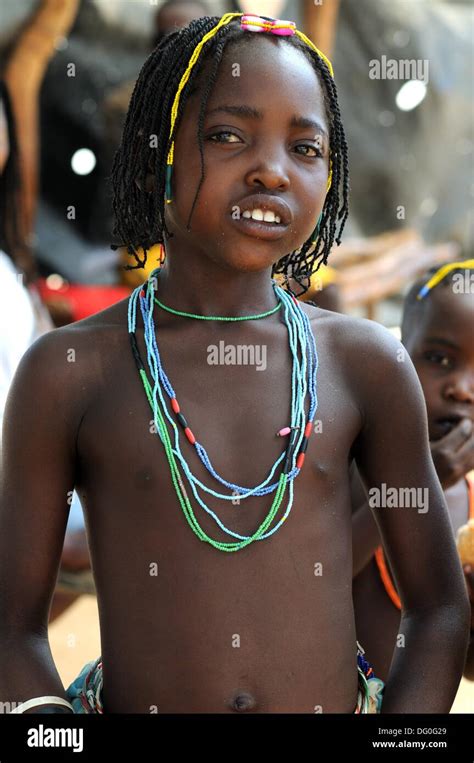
(74, 352)
(364, 347)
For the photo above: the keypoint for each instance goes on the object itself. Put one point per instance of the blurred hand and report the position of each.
(453, 455)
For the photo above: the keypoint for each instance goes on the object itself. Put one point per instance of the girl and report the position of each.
(223, 572)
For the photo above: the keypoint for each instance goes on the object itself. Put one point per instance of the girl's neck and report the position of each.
(206, 288)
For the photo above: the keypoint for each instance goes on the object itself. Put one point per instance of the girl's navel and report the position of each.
(243, 702)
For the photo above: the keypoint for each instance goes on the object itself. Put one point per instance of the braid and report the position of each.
(140, 215)
(212, 78)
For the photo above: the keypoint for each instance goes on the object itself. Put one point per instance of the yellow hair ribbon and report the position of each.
(328, 185)
(442, 273)
(313, 46)
(226, 18)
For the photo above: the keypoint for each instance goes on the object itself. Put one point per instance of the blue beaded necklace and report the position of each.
(303, 384)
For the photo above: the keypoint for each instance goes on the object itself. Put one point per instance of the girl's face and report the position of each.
(266, 146)
(441, 348)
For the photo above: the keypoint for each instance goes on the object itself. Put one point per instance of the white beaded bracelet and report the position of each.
(37, 701)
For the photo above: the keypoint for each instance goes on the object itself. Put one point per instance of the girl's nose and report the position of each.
(268, 173)
(461, 389)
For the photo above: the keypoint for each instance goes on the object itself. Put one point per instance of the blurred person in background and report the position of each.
(174, 14)
(437, 334)
(24, 318)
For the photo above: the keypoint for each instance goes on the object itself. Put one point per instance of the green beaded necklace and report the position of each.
(217, 317)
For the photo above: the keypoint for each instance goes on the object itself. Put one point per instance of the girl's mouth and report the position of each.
(268, 231)
(446, 425)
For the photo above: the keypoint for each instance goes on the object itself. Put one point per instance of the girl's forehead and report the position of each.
(264, 56)
(448, 311)
(261, 72)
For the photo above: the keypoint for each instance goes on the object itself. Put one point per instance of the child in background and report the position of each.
(234, 157)
(174, 14)
(437, 331)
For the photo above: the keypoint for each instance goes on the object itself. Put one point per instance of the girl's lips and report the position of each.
(445, 425)
(260, 229)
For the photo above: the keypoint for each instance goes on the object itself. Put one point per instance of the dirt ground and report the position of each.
(75, 640)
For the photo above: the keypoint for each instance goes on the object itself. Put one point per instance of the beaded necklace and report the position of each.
(217, 317)
(303, 384)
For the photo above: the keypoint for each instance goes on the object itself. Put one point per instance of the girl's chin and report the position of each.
(249, 262)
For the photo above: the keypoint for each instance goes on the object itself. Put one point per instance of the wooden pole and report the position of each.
(320, 21)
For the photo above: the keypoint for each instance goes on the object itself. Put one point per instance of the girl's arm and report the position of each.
(392, 453)
(469, 666)
(36, 477)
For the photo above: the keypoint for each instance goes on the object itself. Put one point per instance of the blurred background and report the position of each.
(69, 67)
(411, 140)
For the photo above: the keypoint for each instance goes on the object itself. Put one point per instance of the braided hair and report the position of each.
(11, 239)
(140, 216)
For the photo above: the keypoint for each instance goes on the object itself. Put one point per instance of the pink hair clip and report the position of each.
(261, 24)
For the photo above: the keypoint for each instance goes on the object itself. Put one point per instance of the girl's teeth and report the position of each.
(258, 214)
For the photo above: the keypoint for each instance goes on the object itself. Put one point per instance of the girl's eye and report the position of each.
(317, 151)
(439, 358)
(222, 137)
(219, 135)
